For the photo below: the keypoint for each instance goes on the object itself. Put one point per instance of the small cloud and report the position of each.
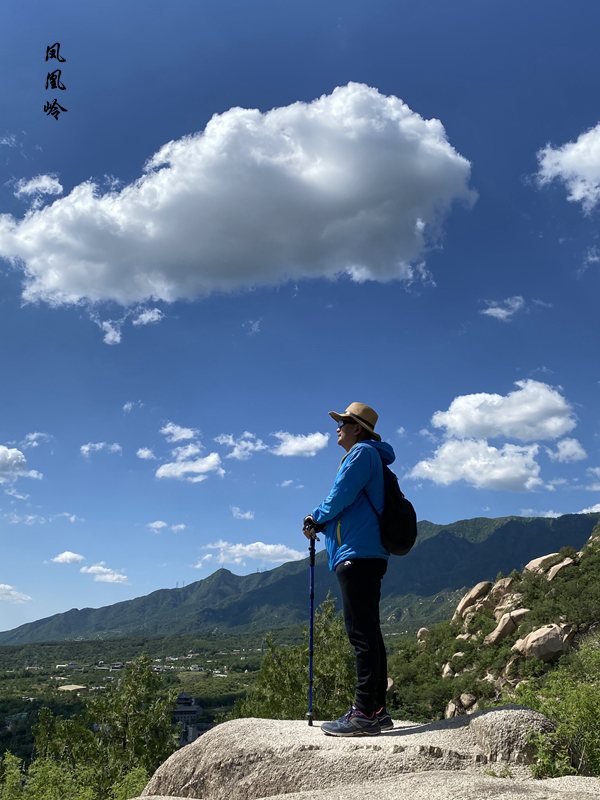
(283, 484)
(67, 515)
(401, 431)
(299, 486)
(237, 553)
(242, 447)
(176, 528)
(175, 433)
(591, 510)
(592, 256)
(156, 526)
(198, 470)
(67, 558)
(504, 310)
(239, 514)
(253, 325)
(145, 453)
(104, 574)
(186, 451)
(13, 493)
(542, 304)
(94, 447)
(8, 594)
(148, 317)
(530, 512)
(34, 439)
(10, 140)
(567, 451)
(128, 407)
(427, 434)
(40, 185)
(299, 445)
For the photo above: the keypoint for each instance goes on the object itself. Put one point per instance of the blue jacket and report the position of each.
(352, 527)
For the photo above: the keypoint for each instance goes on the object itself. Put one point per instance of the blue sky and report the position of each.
(252, 214)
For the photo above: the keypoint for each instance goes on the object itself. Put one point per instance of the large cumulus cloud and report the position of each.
(353, 182)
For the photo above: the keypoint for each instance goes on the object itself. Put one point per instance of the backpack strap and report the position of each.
(371, 504)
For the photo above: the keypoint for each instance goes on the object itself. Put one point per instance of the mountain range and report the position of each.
(419, 589)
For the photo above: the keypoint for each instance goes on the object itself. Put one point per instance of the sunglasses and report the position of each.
(343, 422)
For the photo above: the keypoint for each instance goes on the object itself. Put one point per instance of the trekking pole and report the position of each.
(311, 551)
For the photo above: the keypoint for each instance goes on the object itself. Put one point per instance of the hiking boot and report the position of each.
(385, 721)
(354, 723)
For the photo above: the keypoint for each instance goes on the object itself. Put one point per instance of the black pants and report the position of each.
(360, 584)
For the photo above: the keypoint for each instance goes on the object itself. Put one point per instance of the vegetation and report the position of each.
(281, 687)
(106, 753)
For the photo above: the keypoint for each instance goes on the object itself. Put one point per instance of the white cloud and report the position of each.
(401, 431)
(156, 526)
(68, 558)
(94, 447)
(111, 328)
(13, 493)
(146, 453)
(10, 140)
(128, 407)
(577, 165)
(41, 184)
(13, 465)
(354, 182)
(504, 309)
(531, 512)
(8, 594)
(300, 445)
(242, 447)
(594, 471)
(534, 411)
(180, 527)
(567, 450)
(239, 514)
(27, 519)
(237, 553)
(175, 433)
(254, 326)
(148, 317)
(592, 256)
(186, 451)
(34, 439)
(591, 510)
(68, 515)
(283, 484)
(198, 469)
(104, 574)
(511, 468)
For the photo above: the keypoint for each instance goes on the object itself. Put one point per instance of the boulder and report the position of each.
(508, 624)
(547, 643)
(245, 759)
(471, 598)
(500, 588)
(553, 571)
(444, 785)
(539, 564)
(390, 690)
(467, 699)
(447, 671)
(422, 634)
(507, 603)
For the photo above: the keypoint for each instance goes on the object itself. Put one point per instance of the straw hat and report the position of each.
(363, 415)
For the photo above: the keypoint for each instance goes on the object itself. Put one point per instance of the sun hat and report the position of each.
(361, 414)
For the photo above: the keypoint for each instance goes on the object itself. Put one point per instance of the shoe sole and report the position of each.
(353, 733)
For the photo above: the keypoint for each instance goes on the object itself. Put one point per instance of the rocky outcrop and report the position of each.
(540, 564)
(548, 642)
(508, 624)
(422, 634)
(254, 758)
(553, 571)
(471, 598)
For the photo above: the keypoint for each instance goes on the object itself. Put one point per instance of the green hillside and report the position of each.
(418, 590)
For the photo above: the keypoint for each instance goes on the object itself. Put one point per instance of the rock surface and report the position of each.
(539, 564)
(547, 642)
(250, 758)
(438, 785)
(508, 624)
(557, 568)
(471, 597)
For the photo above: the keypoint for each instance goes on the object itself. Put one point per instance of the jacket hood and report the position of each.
(384, 449)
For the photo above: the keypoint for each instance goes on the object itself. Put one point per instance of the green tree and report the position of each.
(281, 688)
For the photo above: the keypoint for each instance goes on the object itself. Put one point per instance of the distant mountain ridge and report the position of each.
(419, 589)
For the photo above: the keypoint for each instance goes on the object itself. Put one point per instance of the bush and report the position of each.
(281, 688)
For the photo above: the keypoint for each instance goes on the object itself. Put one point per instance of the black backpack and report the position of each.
(398, 523)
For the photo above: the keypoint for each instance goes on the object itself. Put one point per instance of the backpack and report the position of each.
(398, 523)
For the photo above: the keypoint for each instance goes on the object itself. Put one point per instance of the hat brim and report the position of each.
(338, 417)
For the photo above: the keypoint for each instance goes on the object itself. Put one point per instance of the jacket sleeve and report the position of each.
(353, 476)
